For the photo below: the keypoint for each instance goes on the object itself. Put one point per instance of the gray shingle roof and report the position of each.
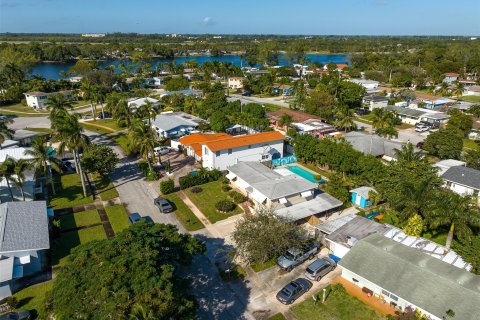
(171, 120)
(406, 111)
(427, 282)
(372, 144)
(268, 182)
(356, 229)
(23, 226)
(463, 175)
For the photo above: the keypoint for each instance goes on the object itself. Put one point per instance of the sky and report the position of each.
(308, 17)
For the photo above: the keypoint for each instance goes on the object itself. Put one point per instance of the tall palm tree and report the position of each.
(457, 212)
(345, 118)
(69, 133)
(5, 131)
(19, 178)
(123, 112)
(89, 94)
(58, 104)
(408, 154)
(43, 160)
(99, 96)
(143, 138)
(148, 110)
(460, 88)
(7, 170)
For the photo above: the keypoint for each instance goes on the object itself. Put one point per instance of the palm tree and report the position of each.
(408, 154)
(285, 120)
(5, 131)
(143, 138)
(122, 111)
(19, 178)
(456, 211)
(89, 94)
(148, 110)
(43, 160)
(99, 96)
(384, 122)
(7, 170)
(345, 118)
(139, 313)
(58, 104)
(460, 88)
(69, 133)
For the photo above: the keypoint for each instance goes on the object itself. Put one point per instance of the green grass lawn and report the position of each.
(271, 107)
(471, 98)
(105, 188)
(470, 144)
(317, 169)
(63, 245)
(107, 123)
(79, 219)
(33, 299)
(18, 107)
(40, 130)
(69, 192)
(183, 213)
(257, 267)
(92, 127)
(118, 217)
(278, 316)
(339, 305)
(206, 200)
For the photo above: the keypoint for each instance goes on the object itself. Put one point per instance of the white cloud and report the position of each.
(208, 21)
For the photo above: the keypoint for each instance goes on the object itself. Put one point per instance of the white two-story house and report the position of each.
(39, 100)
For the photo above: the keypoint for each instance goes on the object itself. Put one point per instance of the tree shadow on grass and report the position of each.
(216, 299)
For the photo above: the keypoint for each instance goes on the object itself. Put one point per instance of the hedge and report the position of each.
(191, 180)
(167, 186)
(225, 206)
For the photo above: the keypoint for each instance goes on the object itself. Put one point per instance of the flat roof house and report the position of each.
(24, 241)
(288, 195)
(172, 124)
(39, 100)
(373, 102)
(463, 180)
(136, 103)
(410, 279)
(314, 127)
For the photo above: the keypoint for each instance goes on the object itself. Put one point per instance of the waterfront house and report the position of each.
(24, 242)
(39, 100)
(172, 124)
(361, 196)
(409, 279)
(285, 193)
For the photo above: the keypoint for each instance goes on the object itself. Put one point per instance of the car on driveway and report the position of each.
(422, 128)
(295, 256)
(319, 268)
(163, 205)
(161, 150)
(293, 290)
(18, 315)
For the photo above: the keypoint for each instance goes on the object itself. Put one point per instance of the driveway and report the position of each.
(404, 135)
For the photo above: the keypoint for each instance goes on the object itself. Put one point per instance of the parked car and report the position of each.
(294, 256)
(163, 205)
(87, 116)
(246, 94)
(293, 290)
(161, 150)
(362, 112)
(18, 315)
(319, 268)
(134, 217)
(420, 144)
(422, 128)
(105, 115)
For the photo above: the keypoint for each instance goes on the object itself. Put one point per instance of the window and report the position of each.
(206, 151)
(229, 151)
(218, 153)
(385, 293)
(394, 298)
(249, 146)
(265, 157)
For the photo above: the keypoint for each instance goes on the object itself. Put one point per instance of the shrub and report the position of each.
(167, 186)
(226, 188)
(318, 177)
(225, 180)
(191, 180)
(143, 166)
(151, 175)
(236, 196)
(225, 206)
(196, 189)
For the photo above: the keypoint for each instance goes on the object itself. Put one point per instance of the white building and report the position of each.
(472, 91)
(463, 180)
(408, 279)
(287, 194)
(136, 103)
(172, 124)
(93, 35)
(235, 83)
(39, 100)
(222, 153)
(374, 102)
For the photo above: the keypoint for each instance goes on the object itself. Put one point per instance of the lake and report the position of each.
(52, 70)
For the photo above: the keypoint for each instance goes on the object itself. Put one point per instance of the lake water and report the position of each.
(52, 70)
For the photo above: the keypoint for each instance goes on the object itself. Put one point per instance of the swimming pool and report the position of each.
(304, 174)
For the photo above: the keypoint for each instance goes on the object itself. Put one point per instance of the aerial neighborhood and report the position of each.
(200, 176)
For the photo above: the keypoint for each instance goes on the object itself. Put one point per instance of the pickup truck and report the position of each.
(294, 256)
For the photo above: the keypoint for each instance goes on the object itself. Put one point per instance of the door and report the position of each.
(358, 200)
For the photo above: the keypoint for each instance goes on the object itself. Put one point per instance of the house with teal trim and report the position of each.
(360, 196)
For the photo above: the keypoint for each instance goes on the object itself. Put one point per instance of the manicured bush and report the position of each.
(226, 187)
(225, 206)
(151, 175)
(191, 180)
(196, 189)
(167, 186)
(236, 196)
(225, 180)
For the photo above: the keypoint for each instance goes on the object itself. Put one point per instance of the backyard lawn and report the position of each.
(471, 98)
(183, 213)
(79, 219)
(206, 200)
(118, 217)
(18, 107)
(339, 305)
(33, 299)
(69, 192)
(105, 188)
(63, 245)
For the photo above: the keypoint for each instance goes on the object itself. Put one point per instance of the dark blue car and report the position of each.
(293, 290)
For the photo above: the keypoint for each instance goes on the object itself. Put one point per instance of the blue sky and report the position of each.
(349, 17)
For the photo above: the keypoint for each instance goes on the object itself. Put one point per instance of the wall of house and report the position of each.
(374, 105)
(379, 293)
(337, 249)
(462, 190)
(38, 102)
(228, 157)
(409, 120)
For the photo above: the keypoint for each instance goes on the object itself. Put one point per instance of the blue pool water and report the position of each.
(304, 174)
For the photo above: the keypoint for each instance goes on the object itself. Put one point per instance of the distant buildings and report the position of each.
(373, 145)
(451, 77)
(373, 102)
(93, 35)
(415, 115)
(369, 85)
(39, 100)
(136, 103)
(236, 83)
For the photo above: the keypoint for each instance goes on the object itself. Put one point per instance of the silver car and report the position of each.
(319, 268)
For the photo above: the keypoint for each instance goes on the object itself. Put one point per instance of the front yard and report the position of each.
(33, 298)
(206, 200)
(118, 217)
(79, 219)
(183, 213)
(339, 305)
(69, 192)
(105, 188)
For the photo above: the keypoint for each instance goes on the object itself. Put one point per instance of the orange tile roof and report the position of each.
(195, 140)
(342, 66)
(240, 141)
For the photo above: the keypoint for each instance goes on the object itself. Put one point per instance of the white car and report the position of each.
(161, 150)
(422, 129)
